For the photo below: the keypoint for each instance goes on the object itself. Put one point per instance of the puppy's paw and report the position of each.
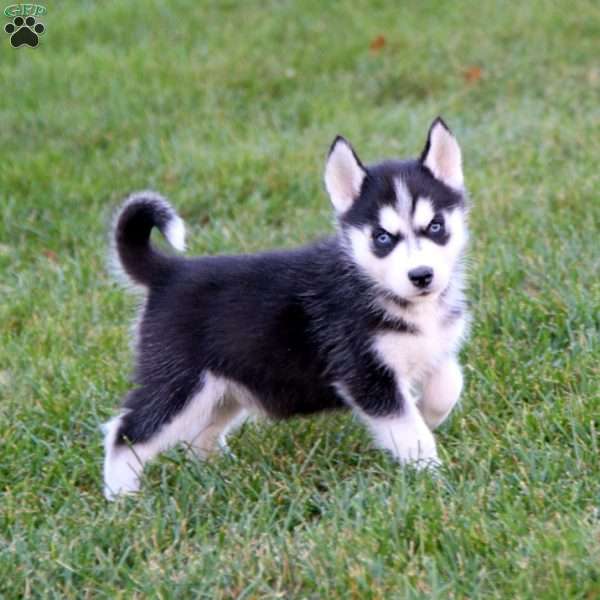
(121, 474)
(440, 393)
(434, 418)
(113, 493)
(409, 441)
(419, 452)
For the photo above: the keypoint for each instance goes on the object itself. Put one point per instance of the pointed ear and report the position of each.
(442, 155)
(344, 175)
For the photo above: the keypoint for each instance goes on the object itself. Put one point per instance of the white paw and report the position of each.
(434, 418)
(440, 393)
(420, 452)
(121, 475)
(112, 493)
(408, 440)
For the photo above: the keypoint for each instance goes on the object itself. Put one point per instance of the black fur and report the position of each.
(378, 190)
(286, 325)
(294, 327)
(132, 239)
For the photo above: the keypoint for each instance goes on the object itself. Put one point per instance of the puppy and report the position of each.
(361, 320)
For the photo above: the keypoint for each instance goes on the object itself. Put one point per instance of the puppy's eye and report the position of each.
(436, 227)
(384, 242)
(383, 239)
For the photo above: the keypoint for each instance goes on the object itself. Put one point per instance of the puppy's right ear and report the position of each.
(344, 175)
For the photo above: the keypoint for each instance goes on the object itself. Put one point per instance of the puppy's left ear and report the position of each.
(344, 175)
(442, 155)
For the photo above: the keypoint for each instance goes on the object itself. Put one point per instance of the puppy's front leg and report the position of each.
(398, 426)
(441, 392)
(406, 436)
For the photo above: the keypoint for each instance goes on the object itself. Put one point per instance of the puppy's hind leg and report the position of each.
(154, 421)
(226, 416)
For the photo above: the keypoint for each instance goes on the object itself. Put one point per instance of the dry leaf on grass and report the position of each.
(472, 74)
(377, 43)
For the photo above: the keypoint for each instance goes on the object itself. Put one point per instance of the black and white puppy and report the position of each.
(370, 319)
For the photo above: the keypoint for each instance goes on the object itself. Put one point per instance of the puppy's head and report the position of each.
(402, 222)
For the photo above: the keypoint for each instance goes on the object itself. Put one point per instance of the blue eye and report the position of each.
(383, 239)
(384, 242)
(435, 227)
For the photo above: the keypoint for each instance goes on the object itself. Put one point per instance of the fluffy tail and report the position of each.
(139, 214)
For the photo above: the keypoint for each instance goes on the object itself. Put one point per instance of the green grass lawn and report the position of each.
(228, 108)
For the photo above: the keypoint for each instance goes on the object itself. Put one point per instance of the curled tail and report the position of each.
(139, 214)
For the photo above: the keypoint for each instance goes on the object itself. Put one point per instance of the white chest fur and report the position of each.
(413, 355)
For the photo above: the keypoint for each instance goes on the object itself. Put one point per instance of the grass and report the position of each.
(228, 109)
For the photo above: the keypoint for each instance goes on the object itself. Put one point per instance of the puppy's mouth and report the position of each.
(425, 295)
(406, 301)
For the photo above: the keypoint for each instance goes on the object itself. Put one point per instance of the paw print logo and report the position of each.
(24, 31)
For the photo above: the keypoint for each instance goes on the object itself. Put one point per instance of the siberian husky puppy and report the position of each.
(370, 319)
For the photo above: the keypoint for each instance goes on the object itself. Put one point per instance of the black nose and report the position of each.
(421, 276)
